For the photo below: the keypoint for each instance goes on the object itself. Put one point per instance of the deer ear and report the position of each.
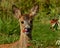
(34, 10)
(16, 11)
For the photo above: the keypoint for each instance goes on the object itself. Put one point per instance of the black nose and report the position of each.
(28, 29)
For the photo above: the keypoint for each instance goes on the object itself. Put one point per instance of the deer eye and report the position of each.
(30, 21)
(22, 22)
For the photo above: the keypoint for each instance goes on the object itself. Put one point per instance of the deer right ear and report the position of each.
(16, 11)
(34, 10)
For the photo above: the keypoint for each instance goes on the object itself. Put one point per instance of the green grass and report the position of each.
(42, 34)
(9, 30)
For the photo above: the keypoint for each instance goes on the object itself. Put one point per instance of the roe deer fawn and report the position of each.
(26, 23)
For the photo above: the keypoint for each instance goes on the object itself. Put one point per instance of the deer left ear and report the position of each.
(34, 10)
(16, 11)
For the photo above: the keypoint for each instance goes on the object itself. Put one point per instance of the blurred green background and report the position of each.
(41, 33)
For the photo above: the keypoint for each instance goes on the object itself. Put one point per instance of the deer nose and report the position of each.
(27, 29)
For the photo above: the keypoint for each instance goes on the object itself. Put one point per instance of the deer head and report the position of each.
(25, 20)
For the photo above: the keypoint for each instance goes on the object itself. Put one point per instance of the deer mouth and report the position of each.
(26, 30)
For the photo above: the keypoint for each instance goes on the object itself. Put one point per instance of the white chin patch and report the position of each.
(26, 31)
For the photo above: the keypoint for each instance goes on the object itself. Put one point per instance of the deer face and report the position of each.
(26, 23)
(26, 19)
